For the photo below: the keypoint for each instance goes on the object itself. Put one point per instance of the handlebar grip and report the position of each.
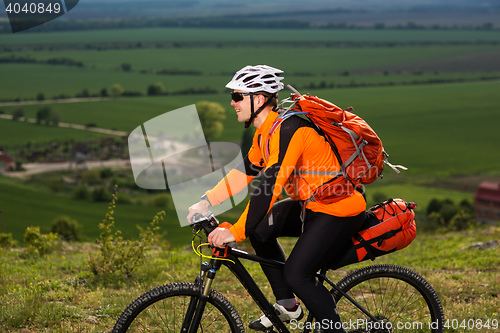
(196, 218)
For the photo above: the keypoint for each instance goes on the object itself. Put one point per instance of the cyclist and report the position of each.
(297, 158)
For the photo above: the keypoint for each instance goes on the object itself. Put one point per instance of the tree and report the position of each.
(211, 115)
(126, 67)
(43, 116)
(116, 90)
(17, 114)
(54, 118)
(156, 88)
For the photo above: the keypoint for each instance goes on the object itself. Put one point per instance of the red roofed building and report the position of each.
(487, 202)
(6, 162)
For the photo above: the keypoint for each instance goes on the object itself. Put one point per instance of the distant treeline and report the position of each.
(51, 61)
(225, 22)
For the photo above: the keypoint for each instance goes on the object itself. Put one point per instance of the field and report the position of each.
(431, 95)
(57, 293)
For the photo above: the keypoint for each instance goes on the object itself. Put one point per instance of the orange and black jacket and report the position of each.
(294, 157)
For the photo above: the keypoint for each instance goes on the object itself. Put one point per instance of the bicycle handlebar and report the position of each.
(207, 223)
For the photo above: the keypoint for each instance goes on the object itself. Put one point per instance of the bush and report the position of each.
(101, 193)
(81, 192)
(107, 173)
(41, 243)
(117, 255)
(68, 229)
(17, 114)
(7, 241)
(55, 183)
(124, 198)
(450, 216)
(92, 176)
(162, 200)
(461, 221)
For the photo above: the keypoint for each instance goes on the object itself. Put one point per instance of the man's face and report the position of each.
(243, 106)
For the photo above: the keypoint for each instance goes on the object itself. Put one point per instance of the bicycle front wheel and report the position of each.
(400, 299)
(170, 308)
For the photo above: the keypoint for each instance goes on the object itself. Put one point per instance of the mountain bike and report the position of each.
(374, 299)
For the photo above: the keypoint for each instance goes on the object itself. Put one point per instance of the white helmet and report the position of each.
(257, 78)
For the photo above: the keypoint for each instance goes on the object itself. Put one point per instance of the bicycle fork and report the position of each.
(197, 303)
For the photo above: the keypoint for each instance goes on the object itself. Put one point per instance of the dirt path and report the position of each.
(34, 168)
(56, 101)
(75, 126)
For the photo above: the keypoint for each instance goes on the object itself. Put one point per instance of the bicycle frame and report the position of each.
(195, 309)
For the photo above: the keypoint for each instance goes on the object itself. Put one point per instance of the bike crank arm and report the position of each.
(352, 300)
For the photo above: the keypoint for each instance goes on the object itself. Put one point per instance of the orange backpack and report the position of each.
(357, 147)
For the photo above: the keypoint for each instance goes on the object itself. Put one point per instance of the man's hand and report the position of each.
(220, 237)
(198, 208)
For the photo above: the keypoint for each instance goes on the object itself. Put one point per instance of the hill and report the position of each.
(57, 293)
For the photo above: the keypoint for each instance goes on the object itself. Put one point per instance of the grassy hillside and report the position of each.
(58, 293)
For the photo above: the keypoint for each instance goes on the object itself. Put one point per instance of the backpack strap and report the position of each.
(363, 243)
(277, 123)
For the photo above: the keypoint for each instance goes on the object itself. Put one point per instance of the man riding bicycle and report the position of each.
(294, 156)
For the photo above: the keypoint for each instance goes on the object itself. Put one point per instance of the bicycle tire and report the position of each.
(163, 309)
(401, 299)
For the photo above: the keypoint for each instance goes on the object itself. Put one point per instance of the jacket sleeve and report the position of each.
(238, 178)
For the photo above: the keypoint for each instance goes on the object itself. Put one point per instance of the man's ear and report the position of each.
(261, 100)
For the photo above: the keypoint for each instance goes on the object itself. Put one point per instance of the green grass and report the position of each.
(24, 205)
(288, 58)
(218, 64)
(13, 133)
(432, 129)
(247, 35)
(58, 293)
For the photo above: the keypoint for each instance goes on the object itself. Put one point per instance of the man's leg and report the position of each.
(323, 237)
(283, 220)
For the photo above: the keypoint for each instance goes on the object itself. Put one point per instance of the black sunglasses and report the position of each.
(238, 96)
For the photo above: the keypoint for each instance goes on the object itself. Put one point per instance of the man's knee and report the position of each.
(294, 277)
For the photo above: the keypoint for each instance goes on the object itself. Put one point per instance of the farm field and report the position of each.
(430, 92)
(245, 35)
(444, 121)
(430, 95)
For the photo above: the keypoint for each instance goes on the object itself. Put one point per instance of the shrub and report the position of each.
(124, 198)
(101, 193)
(81, 192)
(7, 241)
(117, 255)
(17, 114)
(162, 200)
(55, 183)
(41, 243)
(461, 221)
(68, 229)
(91, 176)
(107, 173)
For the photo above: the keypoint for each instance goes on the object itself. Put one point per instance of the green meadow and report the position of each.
(430, 95)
